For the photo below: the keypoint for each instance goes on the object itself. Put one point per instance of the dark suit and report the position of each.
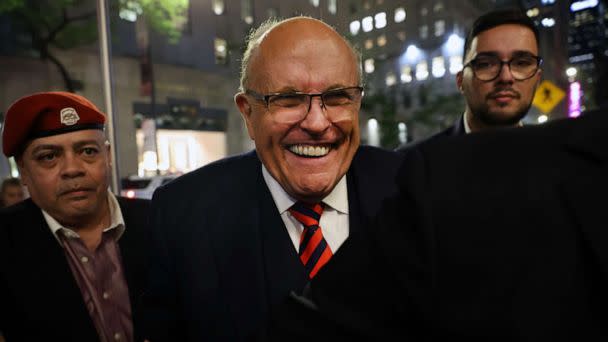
(498, 236)
(222, 256)
(39, 297)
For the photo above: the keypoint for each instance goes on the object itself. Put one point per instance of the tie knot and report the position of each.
(306, 213)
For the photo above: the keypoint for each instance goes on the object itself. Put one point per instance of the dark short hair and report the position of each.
(9, 182)
(497, 18)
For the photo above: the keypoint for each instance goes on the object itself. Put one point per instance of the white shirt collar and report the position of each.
(117, 220)
(337, 198)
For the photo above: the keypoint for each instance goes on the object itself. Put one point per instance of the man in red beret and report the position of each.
(71, 256)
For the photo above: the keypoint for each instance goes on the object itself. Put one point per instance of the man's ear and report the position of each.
(244, 106)
(459, 81)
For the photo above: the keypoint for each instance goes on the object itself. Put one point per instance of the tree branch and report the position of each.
(67, 80)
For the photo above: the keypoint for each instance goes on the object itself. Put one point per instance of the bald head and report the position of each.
(275, 39)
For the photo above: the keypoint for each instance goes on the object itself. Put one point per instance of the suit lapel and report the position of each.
(132, 257)
(44, 265)
(257, 262)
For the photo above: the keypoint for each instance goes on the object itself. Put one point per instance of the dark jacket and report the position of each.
(39, 297)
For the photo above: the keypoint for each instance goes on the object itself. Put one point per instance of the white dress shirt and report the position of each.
(334, 220)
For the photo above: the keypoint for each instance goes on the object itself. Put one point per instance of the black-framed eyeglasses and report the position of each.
(293, 107)
(488, 67)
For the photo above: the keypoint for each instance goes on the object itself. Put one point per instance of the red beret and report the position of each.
(45, 114)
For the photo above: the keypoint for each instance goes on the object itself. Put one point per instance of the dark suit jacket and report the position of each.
(222, 257)
(497, 236)
(39, 297)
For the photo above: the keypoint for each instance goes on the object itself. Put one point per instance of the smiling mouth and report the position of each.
(310, 151)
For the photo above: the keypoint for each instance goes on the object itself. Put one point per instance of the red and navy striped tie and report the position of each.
(314, 250)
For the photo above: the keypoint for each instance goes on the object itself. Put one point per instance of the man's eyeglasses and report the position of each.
(487, 68)
(293, 107)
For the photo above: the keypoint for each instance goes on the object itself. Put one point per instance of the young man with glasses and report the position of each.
(502, 69)
(234, 238)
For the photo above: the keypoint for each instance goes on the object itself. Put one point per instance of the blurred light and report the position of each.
(455, 64)
(149, 159)
(218, 6)
(391, 79)
(406, 74)
(542, 118)
(412, 54)
(367, 23)
(369, 44)
(439, 28)
(130, 194)
(314, 3)
(454, 45)
(548, 22)
(380, 19)
(332, 6)
(581, 58)
(571, 72)
(422, 71)
(402, 132)
(354, 27)
(400, 15)
(381, 41)
(533, 12)
(373, 135)
(547, 2)
(369, 65)
(581, 5)
(249, 19)
(438, 67)
(574, 106)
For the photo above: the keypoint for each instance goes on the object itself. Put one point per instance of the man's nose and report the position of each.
(316, 120)
(505, 75)
(72, 166)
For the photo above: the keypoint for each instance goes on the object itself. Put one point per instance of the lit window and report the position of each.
(424, 31)
(424, 11)
(380, 19)
(406, 74)
(548, 22)
(218, 6)
(369, 44)
(400, 14)
(391, 79)
(438, 7)
(532, 12)
(369, 65)
(368, 24)
(438, 67)
(354, 27)
(401, 35)
(439, 28)
(422, 71)
(367, 5)
(221, 51)
(455, 64)
(247, 11)
(332, 6)
(314, 3)
(381, 41)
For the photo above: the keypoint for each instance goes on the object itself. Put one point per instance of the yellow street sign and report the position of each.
(547, 96)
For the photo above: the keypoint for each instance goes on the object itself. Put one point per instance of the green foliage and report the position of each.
(164, 16)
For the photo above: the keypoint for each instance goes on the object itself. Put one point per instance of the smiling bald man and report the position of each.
(233, 238)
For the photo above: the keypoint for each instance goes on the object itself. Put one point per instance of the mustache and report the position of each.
(509, 91)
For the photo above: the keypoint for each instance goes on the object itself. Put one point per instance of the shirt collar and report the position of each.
(337, 198)
(117, 221)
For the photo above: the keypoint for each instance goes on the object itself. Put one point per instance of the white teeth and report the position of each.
(309, 151)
